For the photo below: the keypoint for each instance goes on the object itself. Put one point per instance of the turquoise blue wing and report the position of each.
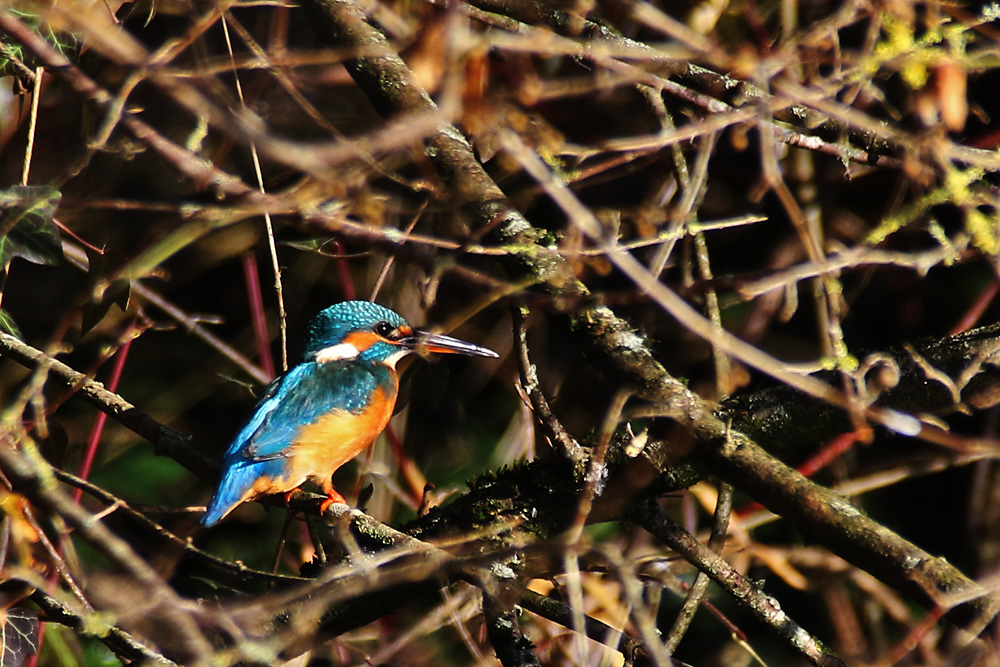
(305, 396)
(297, 399)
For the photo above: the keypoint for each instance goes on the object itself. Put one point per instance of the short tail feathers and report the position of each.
(237, 480)
(217, 509)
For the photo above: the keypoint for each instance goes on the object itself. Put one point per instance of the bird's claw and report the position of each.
(331, 498)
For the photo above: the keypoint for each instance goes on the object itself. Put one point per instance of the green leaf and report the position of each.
(27, 228)
(308, 245)
(7, 324)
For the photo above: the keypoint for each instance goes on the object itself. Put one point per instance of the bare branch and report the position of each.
(765, 607)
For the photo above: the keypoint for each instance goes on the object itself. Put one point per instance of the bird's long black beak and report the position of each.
(431, 342)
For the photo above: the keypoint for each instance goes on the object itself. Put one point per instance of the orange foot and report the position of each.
(288, 496)
(331, 497)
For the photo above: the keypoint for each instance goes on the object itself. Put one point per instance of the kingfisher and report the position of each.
(328, 409)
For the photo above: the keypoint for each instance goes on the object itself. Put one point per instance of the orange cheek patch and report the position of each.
(361, 340)
(338, 437)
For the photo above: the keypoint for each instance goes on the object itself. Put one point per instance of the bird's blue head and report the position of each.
(365, 331)
(359, 330)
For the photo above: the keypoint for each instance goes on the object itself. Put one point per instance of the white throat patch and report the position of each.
(394, 358)
(337, 352)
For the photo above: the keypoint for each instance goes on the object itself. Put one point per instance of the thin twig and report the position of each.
(614, 346)
(27, 475)
(764, 607)
(559, 612)
(36, 93)
(269, 228)
(239, 570)
(720, 526)
(563, 441)
(117, 640)
(167, 441)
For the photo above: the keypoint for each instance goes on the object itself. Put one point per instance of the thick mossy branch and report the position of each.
(540, 499)
(632, 107)
(935, 376)
(531, 501)
(516, 507)
(611, 344)
(520, 496)
(833, 521)
(512, 646)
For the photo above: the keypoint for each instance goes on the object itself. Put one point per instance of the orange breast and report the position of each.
(336, 438)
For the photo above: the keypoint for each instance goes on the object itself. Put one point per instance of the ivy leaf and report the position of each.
(18, 636)
(308, 245)
(7, 325)
(27, 228)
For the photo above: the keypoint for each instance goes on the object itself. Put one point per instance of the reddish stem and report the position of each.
(32, 660)
(913, 638)
(69, 232)
(839, 445)
(345, 272)
(252, 278)
(98, 428)
(976, 310)
(825, 456)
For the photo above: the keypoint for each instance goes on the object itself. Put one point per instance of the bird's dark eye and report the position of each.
(383, 329)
